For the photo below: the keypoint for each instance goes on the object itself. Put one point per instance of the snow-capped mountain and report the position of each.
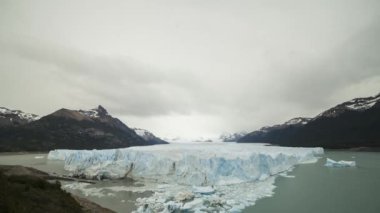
(354, 123)
(70, 129)
(357, 104)
(232, 137)
(94, 113)
(15, 117)
(259, 134)
(148, 136)
(299, 121)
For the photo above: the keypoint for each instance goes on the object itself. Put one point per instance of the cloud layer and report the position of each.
(189, 67)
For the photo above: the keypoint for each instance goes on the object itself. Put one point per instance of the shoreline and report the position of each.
(29, 173)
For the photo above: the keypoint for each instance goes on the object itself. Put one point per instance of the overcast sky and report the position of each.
(189, 67)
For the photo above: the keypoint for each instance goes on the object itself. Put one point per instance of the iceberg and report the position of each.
(206, 190)
(213, 177)
(339, 164)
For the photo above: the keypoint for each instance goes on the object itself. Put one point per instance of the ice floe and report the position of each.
(342, 163)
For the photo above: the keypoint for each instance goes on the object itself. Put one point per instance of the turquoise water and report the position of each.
(318, 189)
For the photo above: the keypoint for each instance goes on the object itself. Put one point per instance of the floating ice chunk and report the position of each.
(184, 196)
(342, 163)
(286, 175)
(196, 203)
(206, 190)
(38, 157)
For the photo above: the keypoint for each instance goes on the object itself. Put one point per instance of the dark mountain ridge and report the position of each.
(354, 123)
(70, 129)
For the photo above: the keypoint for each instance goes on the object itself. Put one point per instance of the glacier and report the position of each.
(221, 176)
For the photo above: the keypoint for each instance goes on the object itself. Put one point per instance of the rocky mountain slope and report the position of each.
(232, 137)
(148, 136)
(355, 123)
(69, 129)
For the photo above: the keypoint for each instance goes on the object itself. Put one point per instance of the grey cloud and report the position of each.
(128, 86)
(202, 66)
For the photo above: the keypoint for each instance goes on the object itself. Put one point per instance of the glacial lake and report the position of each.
(313, 189)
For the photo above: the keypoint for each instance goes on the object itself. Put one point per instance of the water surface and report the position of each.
(318, 189)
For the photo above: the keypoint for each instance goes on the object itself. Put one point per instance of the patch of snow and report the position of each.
(296, 121)
(141, 132)
(93, 113)
(145, 134)
(3, 110)
(339, 164)
(362, 104)
(232, 137)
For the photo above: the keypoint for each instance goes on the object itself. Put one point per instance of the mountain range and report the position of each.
(232, 137)
(68, 129)
(355, 123)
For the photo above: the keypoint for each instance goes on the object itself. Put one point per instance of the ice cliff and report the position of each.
(190, 164)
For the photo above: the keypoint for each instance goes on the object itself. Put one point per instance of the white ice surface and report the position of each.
(190, 164)
(342, 163)
(220, 177)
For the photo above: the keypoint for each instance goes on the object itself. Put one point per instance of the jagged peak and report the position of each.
(101, 110)
(98, 112)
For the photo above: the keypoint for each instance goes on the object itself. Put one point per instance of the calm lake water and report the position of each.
(315, 188)
(319, 189)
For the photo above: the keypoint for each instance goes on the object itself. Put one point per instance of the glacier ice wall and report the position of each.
(188, 164)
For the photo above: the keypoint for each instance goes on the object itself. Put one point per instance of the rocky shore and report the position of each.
(24, 189)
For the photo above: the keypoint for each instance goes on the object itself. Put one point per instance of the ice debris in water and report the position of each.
(208, 177)
(342, 163)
